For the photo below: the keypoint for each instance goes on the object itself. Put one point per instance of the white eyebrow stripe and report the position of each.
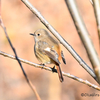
(48, 49)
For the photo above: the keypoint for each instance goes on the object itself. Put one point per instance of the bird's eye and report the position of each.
(38, 34)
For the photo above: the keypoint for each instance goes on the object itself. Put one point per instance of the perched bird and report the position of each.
(47, 50)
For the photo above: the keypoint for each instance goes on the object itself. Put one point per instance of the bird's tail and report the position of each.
(59, 73)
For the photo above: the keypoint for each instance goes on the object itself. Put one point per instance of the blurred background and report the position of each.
(19, 22)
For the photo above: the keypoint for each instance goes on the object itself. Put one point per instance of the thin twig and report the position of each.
(49, 69)
(84, 35)
(58, 36)
(16, 57)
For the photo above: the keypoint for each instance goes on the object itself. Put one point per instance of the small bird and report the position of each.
(47, 50)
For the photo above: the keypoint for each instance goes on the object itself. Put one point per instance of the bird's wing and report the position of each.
(52, 54)
(63, 58)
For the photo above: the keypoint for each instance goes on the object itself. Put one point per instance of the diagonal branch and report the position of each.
(49, 69)
(58, 36)
(96, 6)
(91, 2)
(16, 57)
(84, 35)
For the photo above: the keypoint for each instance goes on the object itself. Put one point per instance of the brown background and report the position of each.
(19, 22)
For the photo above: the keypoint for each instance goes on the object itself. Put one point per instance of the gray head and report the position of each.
(40, 34)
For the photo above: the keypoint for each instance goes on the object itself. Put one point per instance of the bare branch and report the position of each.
(49, 69)
(58, 36)
(96, 6)
(91, 2)
(84, 35)
(16, 57)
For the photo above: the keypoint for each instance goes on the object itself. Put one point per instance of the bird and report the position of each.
(47, 50)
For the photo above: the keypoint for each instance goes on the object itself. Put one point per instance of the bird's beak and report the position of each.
(32, 34)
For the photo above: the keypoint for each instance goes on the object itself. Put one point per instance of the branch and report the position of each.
(91, 2)
(96, 6)
(16, 57)
(58, 36)
(49, 69)
(84, 35)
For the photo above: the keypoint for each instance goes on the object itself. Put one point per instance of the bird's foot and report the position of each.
(53, 69)
(42, 65)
